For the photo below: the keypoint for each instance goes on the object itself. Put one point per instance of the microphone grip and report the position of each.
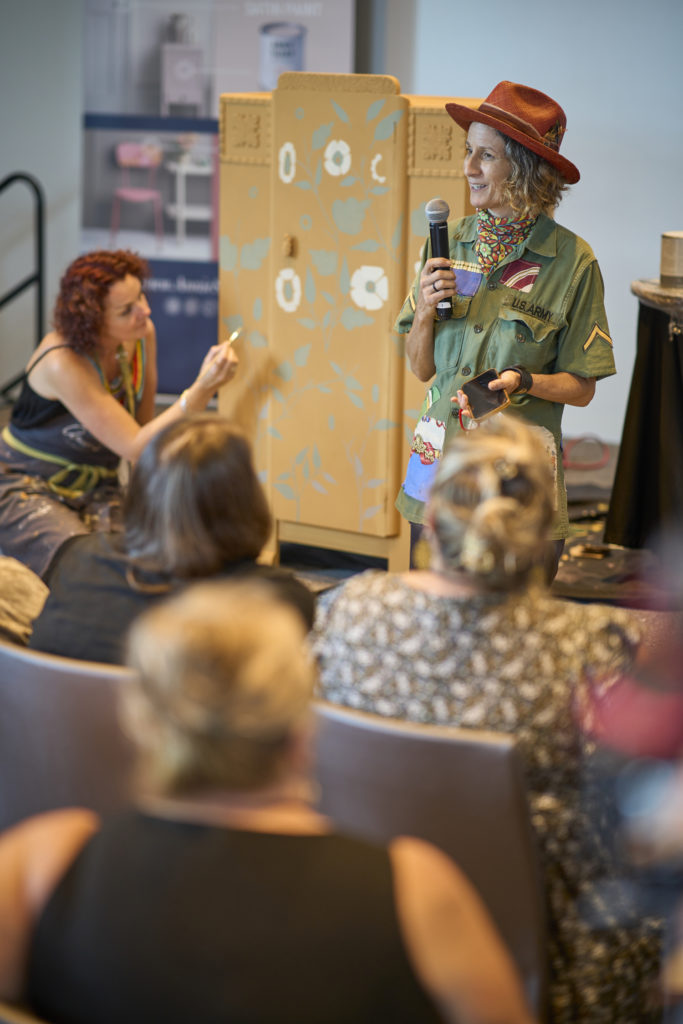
(438, 236)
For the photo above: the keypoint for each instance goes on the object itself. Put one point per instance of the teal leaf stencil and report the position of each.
(257, 340)
(397, 237)
(370, 512)
(316, 457)
(418, 221)
(352, 318)
(375, 392)
(385, 425)
(257, 309)
(349, 214)
(301, 355)
(317, 486)
(298, 459)
(369, 245)
(324, 260)
(303, 185)
(309, 287)
(374, 483)
(356, 399)
(385, 127)
(341, 113)
(254, 253)
(275, 433)
(277, 394)
(227, 254)
(307, 322)
(374, 109)
(284, 371)
(379, 190)
(344, 278)
(320, 136)
(286, 491)
(348, 181)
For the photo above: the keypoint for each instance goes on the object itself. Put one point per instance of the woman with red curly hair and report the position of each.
(87, 402)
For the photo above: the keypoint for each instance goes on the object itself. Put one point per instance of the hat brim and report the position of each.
(465, 116)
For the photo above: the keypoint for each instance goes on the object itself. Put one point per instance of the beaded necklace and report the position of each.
(124, 383)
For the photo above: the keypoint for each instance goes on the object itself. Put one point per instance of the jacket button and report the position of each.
(492, 286)
(466, 371)
(518, 337)
(478, 328)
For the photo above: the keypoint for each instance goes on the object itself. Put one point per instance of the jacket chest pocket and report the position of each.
(521, 338)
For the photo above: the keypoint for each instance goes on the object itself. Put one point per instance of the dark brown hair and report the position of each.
(83, 289)
(194, 502)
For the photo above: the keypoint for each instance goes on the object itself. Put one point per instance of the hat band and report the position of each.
(523, 126)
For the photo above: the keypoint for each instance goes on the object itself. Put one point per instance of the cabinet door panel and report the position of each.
(337, 280)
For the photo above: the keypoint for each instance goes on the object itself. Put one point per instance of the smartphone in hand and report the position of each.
(483, 402)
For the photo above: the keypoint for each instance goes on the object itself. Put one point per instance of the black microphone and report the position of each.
(437, 211)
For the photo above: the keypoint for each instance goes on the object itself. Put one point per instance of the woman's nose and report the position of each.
(471, 165)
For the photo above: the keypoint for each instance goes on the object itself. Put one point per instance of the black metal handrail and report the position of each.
(37, 276)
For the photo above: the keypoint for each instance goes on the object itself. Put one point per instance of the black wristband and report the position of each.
(525, 379)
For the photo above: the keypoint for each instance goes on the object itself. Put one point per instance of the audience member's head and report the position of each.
(222, 681)
(491, 504)
(195, 502)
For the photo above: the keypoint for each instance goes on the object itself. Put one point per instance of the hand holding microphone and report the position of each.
(438, 275)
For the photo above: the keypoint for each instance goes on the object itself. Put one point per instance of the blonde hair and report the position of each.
(491, 504)
(221, 674)
(533, 186)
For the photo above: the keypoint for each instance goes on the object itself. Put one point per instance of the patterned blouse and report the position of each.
(516, 664)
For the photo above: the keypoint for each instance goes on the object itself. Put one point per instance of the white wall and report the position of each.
(616, 68)
(41, 133)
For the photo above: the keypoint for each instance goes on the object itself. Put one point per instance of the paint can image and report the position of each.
(281, 49)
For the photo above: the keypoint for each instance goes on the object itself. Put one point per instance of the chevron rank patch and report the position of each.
(520, 275)
(596, 333)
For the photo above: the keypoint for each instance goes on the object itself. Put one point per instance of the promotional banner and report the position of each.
(152, 78)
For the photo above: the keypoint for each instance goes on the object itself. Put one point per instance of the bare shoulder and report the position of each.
(46, 845)
(450, 939)
(58, 367)
(33, 857)
(427, 870)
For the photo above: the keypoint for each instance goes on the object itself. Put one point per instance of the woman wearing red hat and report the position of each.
(527, 294)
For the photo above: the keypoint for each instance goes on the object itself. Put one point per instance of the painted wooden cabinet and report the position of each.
(322, 190)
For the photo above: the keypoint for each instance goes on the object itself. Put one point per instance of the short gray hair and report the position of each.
(221, 674)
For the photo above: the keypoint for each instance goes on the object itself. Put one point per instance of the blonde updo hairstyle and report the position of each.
(491, 505)
(221, 676)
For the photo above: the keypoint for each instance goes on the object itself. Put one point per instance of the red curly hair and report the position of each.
(83, 289)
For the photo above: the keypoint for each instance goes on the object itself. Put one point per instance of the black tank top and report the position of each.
(46, 425)
(160, 921)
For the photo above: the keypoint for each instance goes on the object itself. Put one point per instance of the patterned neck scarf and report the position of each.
(497, 237)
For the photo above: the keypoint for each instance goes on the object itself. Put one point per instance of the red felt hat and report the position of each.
(526, 115)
